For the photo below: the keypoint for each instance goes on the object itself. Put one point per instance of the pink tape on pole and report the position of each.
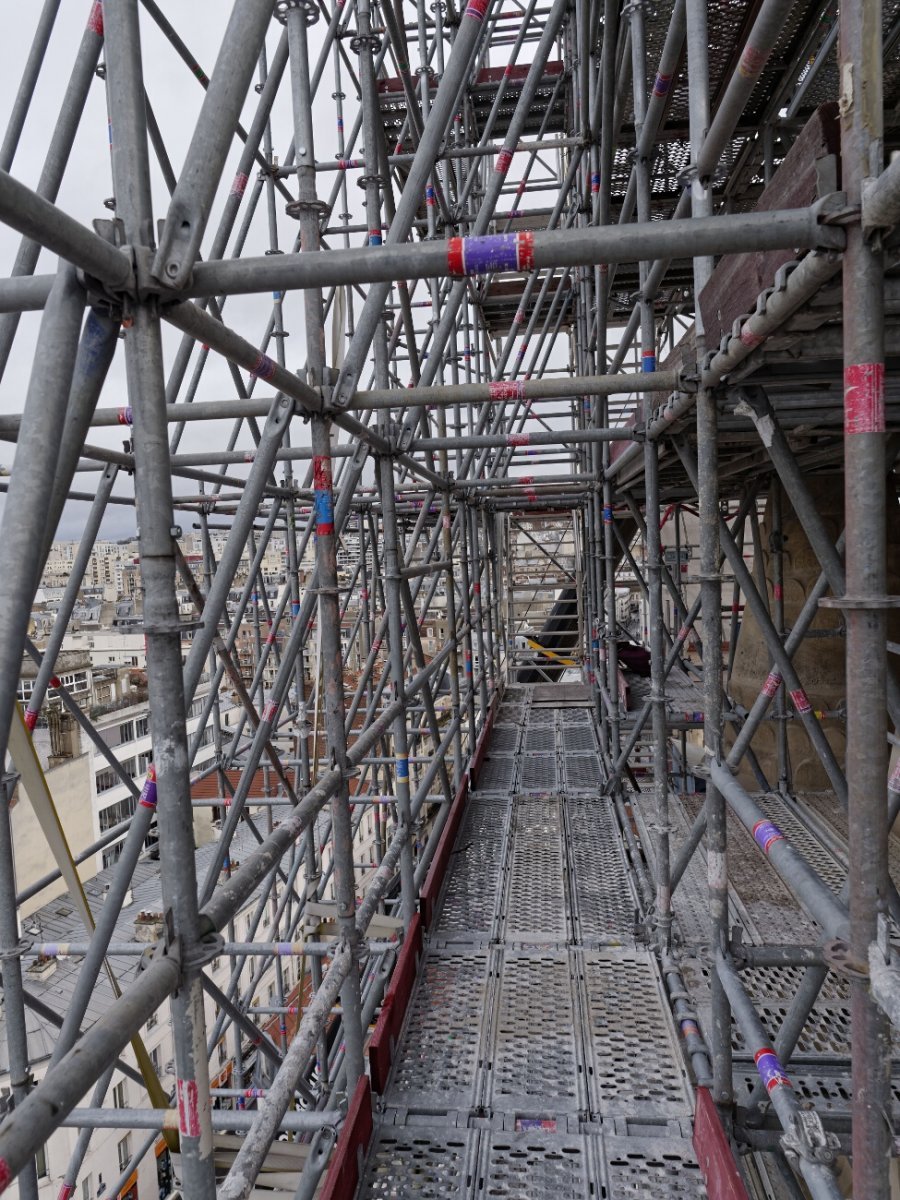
(662, 85)
(270, 711)
(864, 398)
(455, 259)
(778, 591)
(125, 416)
(750, 339)
(30, 719)
(772, 684)
(504, 160)
(188, 1108)
(240, 183)
(800, 700)
(525, 241)
(518, 439)
(66, 1191)
(752, 62)
(476, 9)
(324, 500)
(95, 19)
(508, 389)
(263, 368)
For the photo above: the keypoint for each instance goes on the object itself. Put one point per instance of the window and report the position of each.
(26, 687)
(124, 1151)
(120, 1095)
(156, 1059)
(76, 681)
(113, 854)
(116, 812)
(40, 1162)
(126, 731)
(152, 1021)
(106, 779)
(87, 1188)
(143, 762)
(141, 726)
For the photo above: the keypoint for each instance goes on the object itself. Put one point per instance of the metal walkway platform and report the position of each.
(538, 1056)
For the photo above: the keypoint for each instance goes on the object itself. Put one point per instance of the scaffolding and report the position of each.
(591, 309)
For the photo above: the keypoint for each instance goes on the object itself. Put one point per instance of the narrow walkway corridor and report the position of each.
(538, 1057)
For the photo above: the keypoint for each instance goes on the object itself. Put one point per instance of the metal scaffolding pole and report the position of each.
(168, 784)
(859, 50)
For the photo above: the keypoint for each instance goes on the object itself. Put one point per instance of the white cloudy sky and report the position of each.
(176, 98)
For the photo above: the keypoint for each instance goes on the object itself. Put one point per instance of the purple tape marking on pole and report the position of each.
(766, 835)
(771, 1072)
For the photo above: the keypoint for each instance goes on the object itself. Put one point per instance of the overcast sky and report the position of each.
(176, 98)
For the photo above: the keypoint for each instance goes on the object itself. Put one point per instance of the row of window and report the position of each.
(117, 812)
(123, 1153)
(75, 681)
(136, 767)
(129, 731)
(138, 727)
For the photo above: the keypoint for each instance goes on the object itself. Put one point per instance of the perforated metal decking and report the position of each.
(538, 1057)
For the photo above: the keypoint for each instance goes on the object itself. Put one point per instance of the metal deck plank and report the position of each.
(637, 1066)
(436, 1067)
(536, 1067)
(536, 908)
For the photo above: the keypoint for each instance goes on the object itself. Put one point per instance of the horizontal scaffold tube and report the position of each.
(520, 389)
(736, 233)
(544, 437)
(38, 219)
(438, 397)
(222, 1118)
(787, 862)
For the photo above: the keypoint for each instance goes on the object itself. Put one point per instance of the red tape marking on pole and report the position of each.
(864, 398)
